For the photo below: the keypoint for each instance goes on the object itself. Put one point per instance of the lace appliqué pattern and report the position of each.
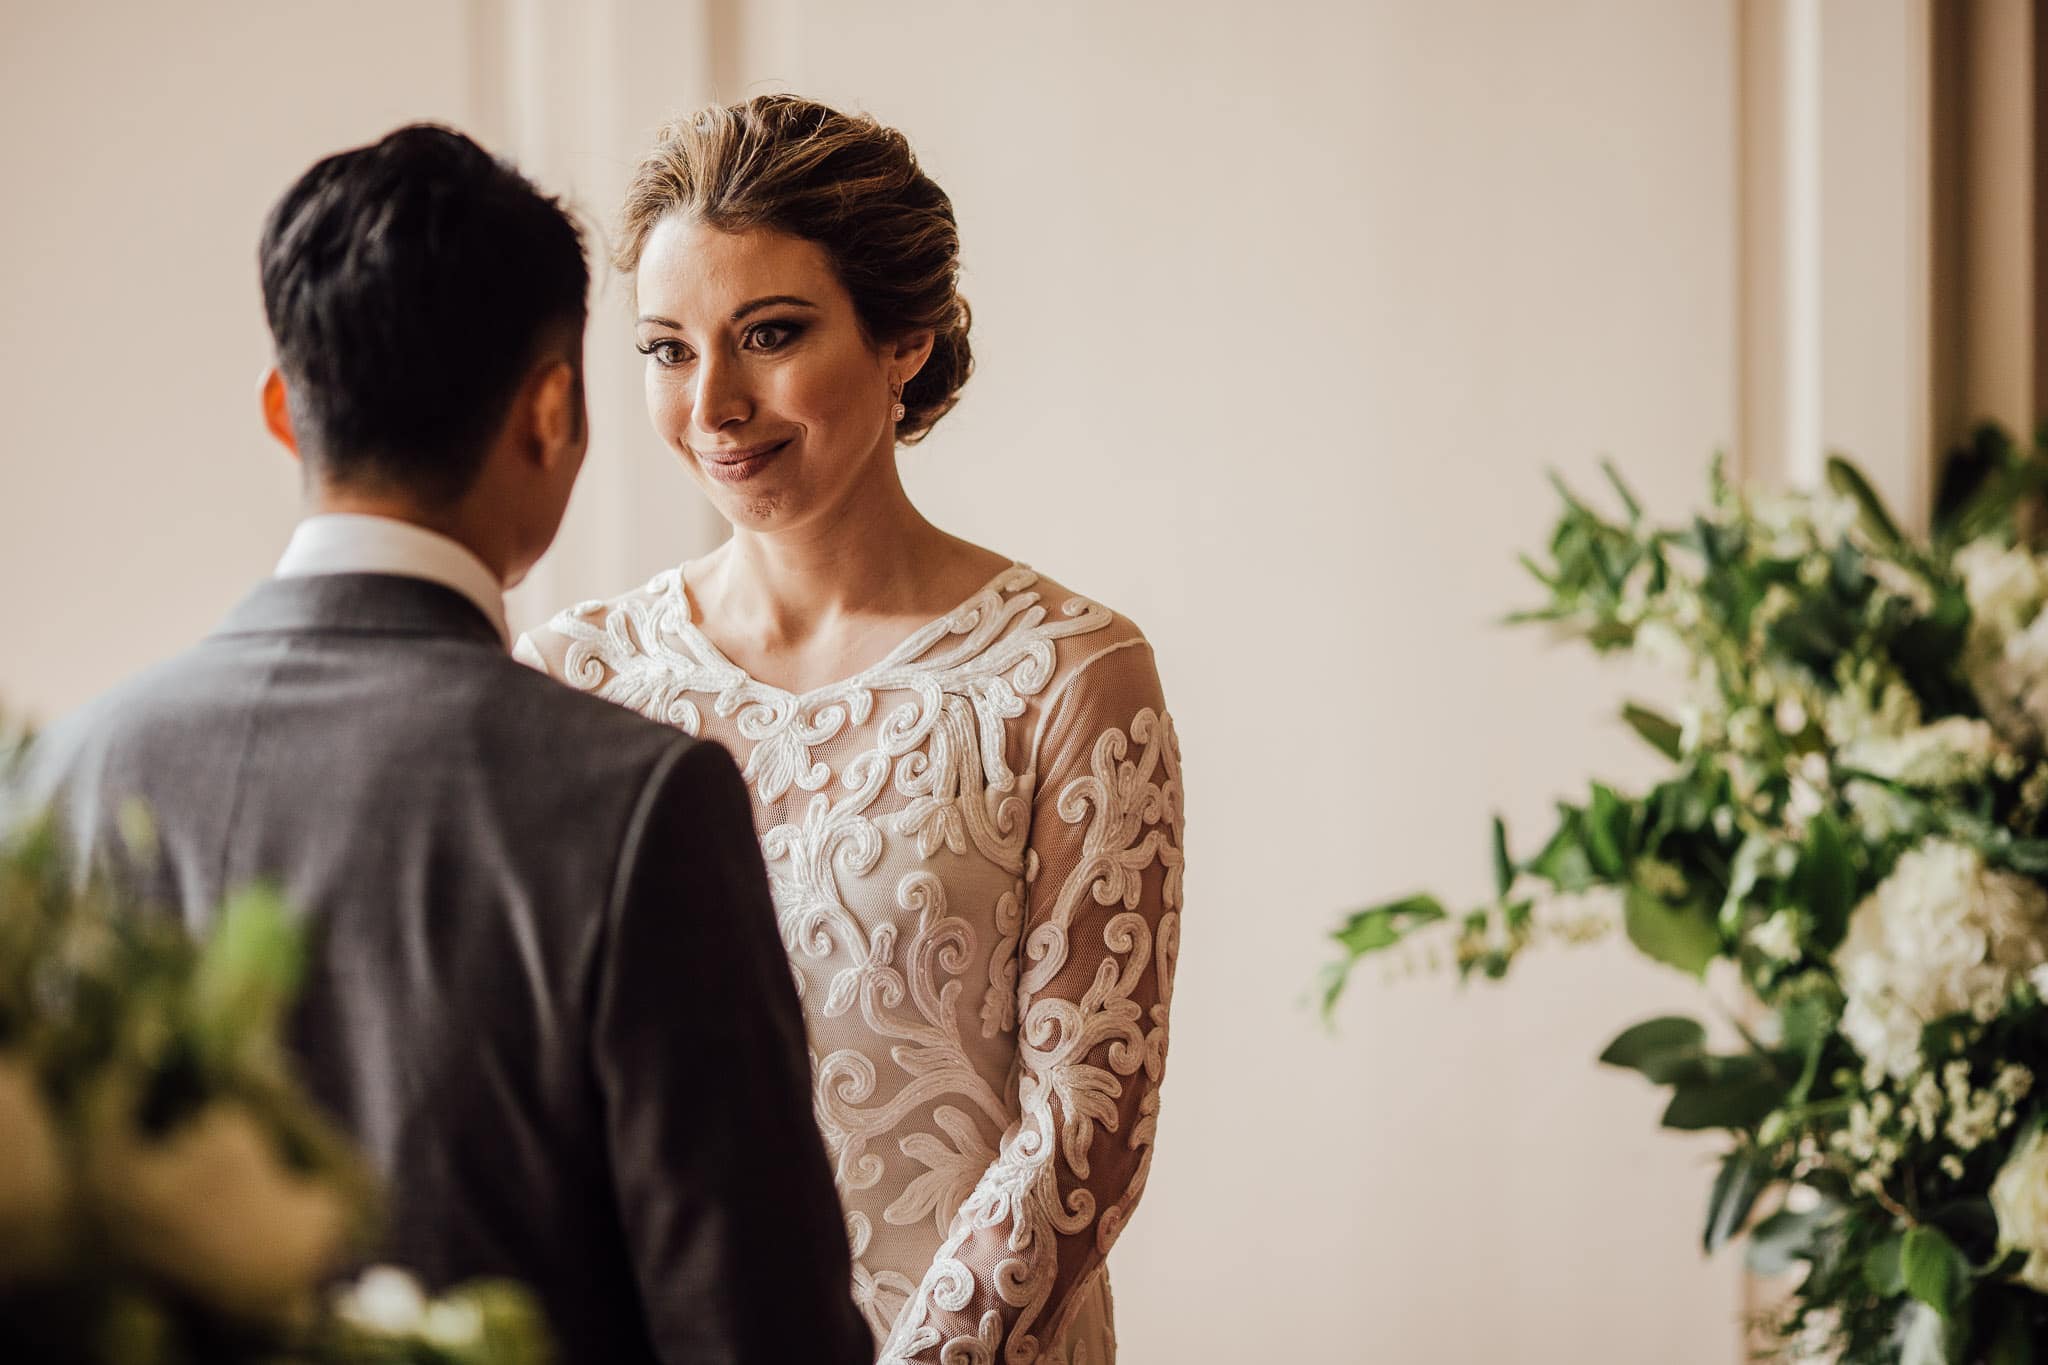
(974, 846)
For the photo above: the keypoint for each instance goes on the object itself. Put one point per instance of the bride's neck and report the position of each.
(790, 585)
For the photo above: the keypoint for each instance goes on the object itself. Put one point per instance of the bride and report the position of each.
(965, 781)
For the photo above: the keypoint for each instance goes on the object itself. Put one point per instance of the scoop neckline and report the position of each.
(888, 660)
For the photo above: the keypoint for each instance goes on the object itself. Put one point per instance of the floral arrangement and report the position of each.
(167, 1194)
(1854, 818)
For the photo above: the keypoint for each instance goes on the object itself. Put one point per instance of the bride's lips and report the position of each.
(737, 464)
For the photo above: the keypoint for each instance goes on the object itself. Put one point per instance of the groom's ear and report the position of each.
(277, 410)
(555, 405)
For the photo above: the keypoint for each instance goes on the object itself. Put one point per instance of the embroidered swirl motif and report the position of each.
(987, 1044)
(1078, 1054)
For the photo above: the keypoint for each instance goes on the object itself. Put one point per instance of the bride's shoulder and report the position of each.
(590, 624)
(1086, 634)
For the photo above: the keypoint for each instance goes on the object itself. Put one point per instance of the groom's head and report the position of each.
(428, 306)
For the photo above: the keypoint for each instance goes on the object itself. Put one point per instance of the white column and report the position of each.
(574, 95)
(1836, 213)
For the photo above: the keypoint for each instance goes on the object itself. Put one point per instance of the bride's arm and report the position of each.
(1101, 934)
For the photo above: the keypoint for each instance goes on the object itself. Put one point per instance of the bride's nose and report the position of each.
(721, 398)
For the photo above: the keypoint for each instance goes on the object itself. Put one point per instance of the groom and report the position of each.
(547, 992)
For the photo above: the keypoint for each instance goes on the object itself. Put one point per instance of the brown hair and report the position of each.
(843, 181)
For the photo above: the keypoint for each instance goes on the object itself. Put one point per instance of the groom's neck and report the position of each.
(452, 522)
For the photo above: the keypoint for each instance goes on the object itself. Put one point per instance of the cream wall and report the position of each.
(1281, 312)
(139, 147)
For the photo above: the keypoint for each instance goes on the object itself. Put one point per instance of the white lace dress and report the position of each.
(975, 851)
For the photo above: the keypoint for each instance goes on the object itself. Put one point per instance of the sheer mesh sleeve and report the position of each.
(1101, 933)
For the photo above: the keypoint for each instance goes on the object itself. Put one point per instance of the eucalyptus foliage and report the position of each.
(1853, 812)
(168, 1194)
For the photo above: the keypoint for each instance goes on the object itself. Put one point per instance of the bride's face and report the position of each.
(759, 374)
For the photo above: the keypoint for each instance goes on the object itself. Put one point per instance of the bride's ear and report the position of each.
(277, 410)
(904, 357)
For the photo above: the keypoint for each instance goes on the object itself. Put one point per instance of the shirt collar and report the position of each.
(338, 543)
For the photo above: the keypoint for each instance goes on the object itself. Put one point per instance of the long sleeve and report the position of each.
(1097, 954)
(722, 1184)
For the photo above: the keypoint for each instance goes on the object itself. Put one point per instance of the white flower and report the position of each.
(211, 1207)
(2010, 677)
(386, 1301)
(1789, 715)
(2019, 1196)
(1834, 515)
(1903, 583)
(1881, 812)
(1777, 938)
(1943, 934)
(453, 1326)
(2005, 587)
(1949, 752)
(1661, 645)
(32, 1184)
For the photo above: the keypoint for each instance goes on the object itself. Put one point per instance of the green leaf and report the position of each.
(1383, 926)
(1621, 490)
(1607, 826)
(2028, 856)
(1683, 936)
(1825, 882)
(247, 974)
(1935, 1272)
(1661, 734)
(1373, 930)
(1785, 1239)
(1735, 1097)
(1503, 865)
(1882, 1269)
(1877, 523)
(1743, 1175)
(1648, 1047)
(1563, 861)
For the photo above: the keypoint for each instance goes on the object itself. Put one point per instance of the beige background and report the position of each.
(1282, 310)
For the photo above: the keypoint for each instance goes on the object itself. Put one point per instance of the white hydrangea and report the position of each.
(1949, 752)
(2006, 655)
(1880, 812)
(1869, 701)
(2005, 587)
(2019, 1196)
(1777, 938)
(2010, 677)
(1943, 934)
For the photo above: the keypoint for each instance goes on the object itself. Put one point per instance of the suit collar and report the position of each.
(361, 604)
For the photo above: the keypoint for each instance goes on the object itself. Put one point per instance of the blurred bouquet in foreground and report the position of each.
(167, 1195)
(1855, 815)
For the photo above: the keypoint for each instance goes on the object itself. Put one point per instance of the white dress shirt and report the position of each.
(336, 542)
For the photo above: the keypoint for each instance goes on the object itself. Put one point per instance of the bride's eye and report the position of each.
(771, 336)
(667, 353)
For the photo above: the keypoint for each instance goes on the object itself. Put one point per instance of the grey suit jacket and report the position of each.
(547, 992)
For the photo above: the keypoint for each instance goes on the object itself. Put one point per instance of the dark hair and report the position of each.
(410, 286)
(843, 181)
